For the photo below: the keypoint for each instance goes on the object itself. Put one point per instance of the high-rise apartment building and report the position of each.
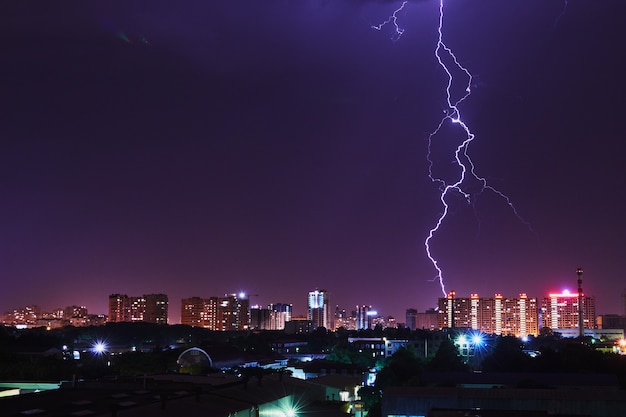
(150, 308)
(230, 312)
(364, 317)
(517, 316)
(233, 313)
(119, 308)
(498, 315)
(260, 318)
(156, 308)
(191, 311)
(280, 314)
(426, 320)
(560, 311)
(318, 311)
(343, 319)
(273, 317)
(411, 318)
(137, 308)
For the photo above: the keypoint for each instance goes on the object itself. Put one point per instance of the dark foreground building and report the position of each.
(504, 401)
(218, 395)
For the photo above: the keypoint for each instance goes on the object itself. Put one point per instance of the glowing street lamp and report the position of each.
(477, 340)
(99, 348)
(468, 344)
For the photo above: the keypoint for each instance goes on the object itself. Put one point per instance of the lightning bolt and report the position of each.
(563, 11)
(467, 171)
(393, 20)
(467, 178)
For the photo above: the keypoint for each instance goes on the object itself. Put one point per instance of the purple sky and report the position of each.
(199, 148)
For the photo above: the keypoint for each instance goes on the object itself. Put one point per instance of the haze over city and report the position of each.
(203, 148)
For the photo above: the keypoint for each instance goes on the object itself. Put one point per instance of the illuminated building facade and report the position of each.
(560, 311)
(25, 316)
(156, 308)
(364, 317)
(230, 312)
(149, 308)
(454, 312)
(273, 317)
(345, 320)
(519, 316)
(318, 309)
(33, 316)
(191, 311)
(260, 318)
(279, 315)
(71, 311)
(386, 322)
(499, 315)
(119, 308)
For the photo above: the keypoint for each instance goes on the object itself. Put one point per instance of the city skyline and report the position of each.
(174, 308)
(275, 148)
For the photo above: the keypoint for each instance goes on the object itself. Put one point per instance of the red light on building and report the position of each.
(564, 294)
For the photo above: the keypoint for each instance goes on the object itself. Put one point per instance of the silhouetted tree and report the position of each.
(507, 356)
(447, 358)
(403, 368)
(371, 400)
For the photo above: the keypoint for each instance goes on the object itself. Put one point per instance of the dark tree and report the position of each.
(403, 368)
(507, 356)
(447, 359)
(371, 400)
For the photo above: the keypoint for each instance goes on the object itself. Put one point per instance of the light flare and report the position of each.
(99, 348)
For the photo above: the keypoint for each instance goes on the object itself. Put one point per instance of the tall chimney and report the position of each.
(581, 330)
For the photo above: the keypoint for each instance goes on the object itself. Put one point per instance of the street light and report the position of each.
(477, 340)
(99, 348)
(468, 344)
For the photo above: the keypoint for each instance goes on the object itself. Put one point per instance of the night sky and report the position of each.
(198, 148)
